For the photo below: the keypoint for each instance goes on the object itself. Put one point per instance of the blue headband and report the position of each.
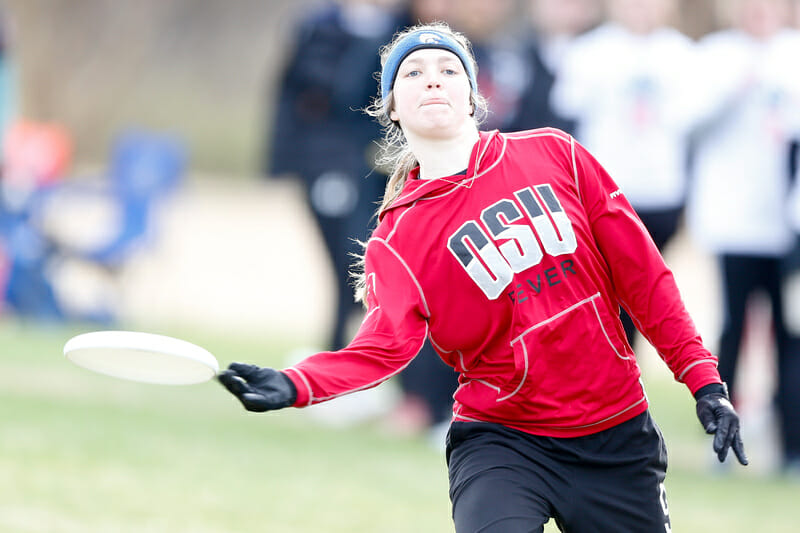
(415, 41)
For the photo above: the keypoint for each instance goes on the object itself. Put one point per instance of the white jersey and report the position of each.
(629, 94)
(749, 100)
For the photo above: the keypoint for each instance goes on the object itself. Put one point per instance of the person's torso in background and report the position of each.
(628, 93)
(750, 98)
(328, 82)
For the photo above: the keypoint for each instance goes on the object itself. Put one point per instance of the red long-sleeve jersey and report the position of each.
(516, 272)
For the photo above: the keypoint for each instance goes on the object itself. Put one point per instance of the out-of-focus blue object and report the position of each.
(144, 168)
(55, 225)
(35, 158)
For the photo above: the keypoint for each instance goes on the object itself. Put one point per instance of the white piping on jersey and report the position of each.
(427, 183)
(639, 327)
(399, 218)
(575, 168)
(556, 316)
(448, 192)
(644, 392)
(302, 376)
(443, 350)
(505, 137)
(685, 370)
(377, 381)
(680, 377)
(490, 385)
(410, 273)
(563, 136)
(541, 132)
(606, 419)
(524, 375)
(592, 299)
(476, 171)
(603, 328)
(479, 158)
(466, 183)
(467, 418)
(457, 416)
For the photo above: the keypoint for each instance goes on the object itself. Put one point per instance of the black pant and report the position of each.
(504, 480)
(742, 277)
(788, 401)
(342, 226)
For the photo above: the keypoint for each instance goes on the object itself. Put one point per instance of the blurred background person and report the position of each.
(36, 157)
(748, 97)
(424, 11)
(511, 72)
(558, 22)
(503, 71)
(788, 387)
(321, 135)
(33, 157)
(628, 83)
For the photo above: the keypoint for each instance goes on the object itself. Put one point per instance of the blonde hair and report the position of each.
(395, 156)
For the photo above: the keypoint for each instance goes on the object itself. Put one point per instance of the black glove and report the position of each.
(259, 389)
(719, 418)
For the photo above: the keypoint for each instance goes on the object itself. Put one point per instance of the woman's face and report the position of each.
(761, 18)
(431, 94)
(641, 16)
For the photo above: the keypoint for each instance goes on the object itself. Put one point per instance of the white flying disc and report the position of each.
(144, 357)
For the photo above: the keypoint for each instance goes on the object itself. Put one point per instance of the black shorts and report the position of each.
(504, 480)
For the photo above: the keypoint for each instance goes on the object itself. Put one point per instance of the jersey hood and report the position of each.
(485, 154)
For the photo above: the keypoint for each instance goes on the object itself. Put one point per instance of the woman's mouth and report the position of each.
(434, 101)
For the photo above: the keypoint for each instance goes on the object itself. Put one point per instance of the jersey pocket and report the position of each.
(576, 349)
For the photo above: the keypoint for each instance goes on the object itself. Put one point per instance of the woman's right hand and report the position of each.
(259, 389)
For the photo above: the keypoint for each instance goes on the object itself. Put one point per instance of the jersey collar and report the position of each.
(414, 188)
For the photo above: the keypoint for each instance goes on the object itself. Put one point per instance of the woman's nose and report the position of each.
(433, 81)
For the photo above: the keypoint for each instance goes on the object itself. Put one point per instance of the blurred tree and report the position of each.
(194, 67)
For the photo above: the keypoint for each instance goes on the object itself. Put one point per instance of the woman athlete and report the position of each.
(512, 253)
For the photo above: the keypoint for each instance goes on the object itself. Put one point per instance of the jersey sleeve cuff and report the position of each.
(701, 374)
(300, 383)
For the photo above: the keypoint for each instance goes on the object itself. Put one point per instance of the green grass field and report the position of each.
(85, 453)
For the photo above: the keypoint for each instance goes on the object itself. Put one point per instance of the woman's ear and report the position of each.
(393, 115)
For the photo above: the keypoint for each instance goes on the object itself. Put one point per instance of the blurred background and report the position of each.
(180, 166)
(205, 71)
(206, 75)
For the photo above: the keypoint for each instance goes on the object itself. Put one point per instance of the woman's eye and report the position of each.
(412, 73)
(450, 72)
